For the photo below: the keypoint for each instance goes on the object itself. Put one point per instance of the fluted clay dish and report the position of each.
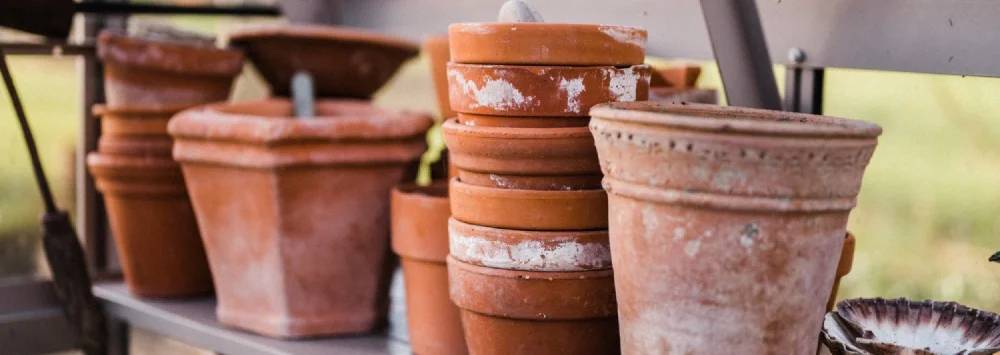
(529, 209)
(343, 62)
(513, 249)
(470, 119)
(546, 44)
(523, 158)
(518, 90)
(881, 327)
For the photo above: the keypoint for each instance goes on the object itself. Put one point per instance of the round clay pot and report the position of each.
(135, 121)
(711, 208)
(164, 74)
(153, 225)
(343, 62)
(843, 268)
(523, 312)
(546, 44)
(436, 50)
(469, 119)
(279, 198)
(512, 249)
(420, 237)
(528, 209)
(511, 90)
(150, 146)
(523, 158)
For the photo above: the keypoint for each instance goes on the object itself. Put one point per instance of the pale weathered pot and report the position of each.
(525, 312)
(523, 158)
(164, 74)
(294, 212)
(343, 62)
(154, 227)
(513, 249)
(420, 238)
(843, 268)
(546, 44)
(513, 90)
(726, 223)
(528, 209)
(436, 50)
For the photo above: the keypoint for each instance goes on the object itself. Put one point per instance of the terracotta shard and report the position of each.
(510, 90)
(546, 44)
(529, 209)
(512, 249)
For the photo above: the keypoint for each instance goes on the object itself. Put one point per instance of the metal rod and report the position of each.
(29, 139)
(129, 8)
(741, 51)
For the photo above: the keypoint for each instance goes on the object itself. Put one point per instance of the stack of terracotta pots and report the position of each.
(147, 81)
(529, 263)
(294, 211)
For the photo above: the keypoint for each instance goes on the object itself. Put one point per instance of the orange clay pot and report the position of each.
(153, 225)
(710, 210)
(509, 90)
(420, 237)
(524, 312)
(843, 268)
(150, 146)
(163, 74)
(294, 213)
(512, 249)
(678, 77)
(343, 62)
(546, 44)
(436, 50)
(135, 121)
(528, 209)
(523, 158)
(469, 119)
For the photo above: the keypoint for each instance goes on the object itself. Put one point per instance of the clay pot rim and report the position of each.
(523, 194)
(478, 26)
(204, 122)
(454, 127)
(100, 110)
(437, 190)
(321, 32)
(733, 120)
(549, 67)
(519, 232)
(225, 62)
(529, 275)
(139, 165)
(719, 201)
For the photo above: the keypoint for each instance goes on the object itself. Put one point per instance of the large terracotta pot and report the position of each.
(726, 223)
(523, 158)
(164, 74)
(420, 237)
(518, 90)
(344, 62)
(512, 249)
(529, 209)
(153, 225)
(546, 44)
(525, 312)
(294, 213)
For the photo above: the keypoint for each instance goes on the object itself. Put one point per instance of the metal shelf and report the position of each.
(192, 321)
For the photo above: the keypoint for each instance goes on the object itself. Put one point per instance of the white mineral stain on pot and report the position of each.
(573, 88)
(679, 233)
(498, 94)
(748, 236)
(624, 35)
(529, 255)
(623, 83)
(691, 247)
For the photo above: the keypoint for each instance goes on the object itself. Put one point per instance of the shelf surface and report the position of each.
(193, 321)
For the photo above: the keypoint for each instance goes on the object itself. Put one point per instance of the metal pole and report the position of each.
(738, 43)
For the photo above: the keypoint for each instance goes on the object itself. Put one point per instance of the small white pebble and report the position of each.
(518, 11)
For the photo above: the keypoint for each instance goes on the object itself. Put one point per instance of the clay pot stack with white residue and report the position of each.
(148, 79)
(529, 263)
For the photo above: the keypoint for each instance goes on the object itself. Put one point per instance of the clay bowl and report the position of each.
(529, 209)
(344, 62)
(512, 249)
(546, 44)
(470, 119)
(520, 90)
(523, 312)
(436, 50)
(164, 74)
(523, 158)
(882, 327)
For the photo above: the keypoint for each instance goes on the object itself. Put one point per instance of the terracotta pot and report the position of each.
(509, 90)
(420, 237)
(843, 268)
(294, 212)
(164, 74)
(150, 146)
(703, 251)
(675, 95)
(512, 249)
(135, 121)
(563, 44)
(678, 77)
(153, 225)
(436, 50)
(344, 62)
(469, 119)
(523, 158)
(523, 312)
(528, 209)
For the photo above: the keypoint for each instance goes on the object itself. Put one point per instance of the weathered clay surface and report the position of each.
(295, 213)
(511, 90)
(163, 74)
(436, 50)
(732, 247)
(470, 119)
(513, 249)
(843, 268)
(546, 44)
(523, 158)
(153, 225)
(528, 209)
(343, 62)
